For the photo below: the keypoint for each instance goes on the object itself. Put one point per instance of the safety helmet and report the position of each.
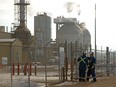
(84, 53)
(92, 53)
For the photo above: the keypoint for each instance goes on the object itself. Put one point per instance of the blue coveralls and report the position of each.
(91, 68)
(82, 67)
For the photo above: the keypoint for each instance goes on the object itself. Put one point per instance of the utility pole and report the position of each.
(95, 33)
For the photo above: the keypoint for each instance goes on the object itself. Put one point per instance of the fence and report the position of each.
(36, 66)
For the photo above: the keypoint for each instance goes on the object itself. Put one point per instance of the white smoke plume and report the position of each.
(69, 6)
(73, 7)
(3, 1)
(30, 9)
(78, 9)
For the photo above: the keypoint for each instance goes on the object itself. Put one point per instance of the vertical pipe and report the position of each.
(95, 33)
(95, 37)
(30, 68)
(18, 57)
(66, 60)
(18, 69)
(22, 12)
(76, 71)
(29, 73)
(101, 62)
(35, 68)
(63, 73)
(114, 63)
(107, 61)
(45, 67)
(59, 67)
(11, 55)
(35, 57)
(13, 68)
(71, 62)
(28, 65)
(57, 28)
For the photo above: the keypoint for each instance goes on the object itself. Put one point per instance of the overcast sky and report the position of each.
(105, 16)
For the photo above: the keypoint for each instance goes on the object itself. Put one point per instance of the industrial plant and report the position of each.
(24, 54)
(32, 47)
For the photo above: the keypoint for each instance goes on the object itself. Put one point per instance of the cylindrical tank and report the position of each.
(42, 28)
(70, 32)
(86, 36)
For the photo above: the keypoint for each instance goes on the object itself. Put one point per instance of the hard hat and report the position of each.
(84, 53)
(92, 53)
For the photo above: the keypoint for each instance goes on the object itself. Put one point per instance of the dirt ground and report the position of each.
(101, 82)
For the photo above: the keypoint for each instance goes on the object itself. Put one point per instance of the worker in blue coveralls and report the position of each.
(83, 62)
(91, 67)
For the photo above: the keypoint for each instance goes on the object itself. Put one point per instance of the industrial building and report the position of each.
(68, 29)
(20, 38)
(10, 48)
(4, 34)
(32, 48)
(42, 28)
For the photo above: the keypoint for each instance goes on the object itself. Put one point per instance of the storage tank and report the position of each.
(42, 28)
(70, 32)
(86, 36)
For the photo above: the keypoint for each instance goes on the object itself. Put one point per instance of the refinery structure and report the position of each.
(31, 47)
(24, 54)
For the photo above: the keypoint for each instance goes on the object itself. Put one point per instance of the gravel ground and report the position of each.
(101, 82)
(36, 81)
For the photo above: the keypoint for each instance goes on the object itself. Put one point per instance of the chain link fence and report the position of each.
(41, 66)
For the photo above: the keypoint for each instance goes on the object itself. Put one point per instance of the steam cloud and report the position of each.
(30, 9)
(78, 9)
(3, 1)
(70, 6)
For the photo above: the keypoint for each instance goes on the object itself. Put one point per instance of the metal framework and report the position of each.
(20, 12)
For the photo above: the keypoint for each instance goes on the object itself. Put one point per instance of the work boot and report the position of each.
(83, 80)
(80, 79)
(94, 80)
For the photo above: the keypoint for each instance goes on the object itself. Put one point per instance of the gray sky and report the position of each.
(105, 16)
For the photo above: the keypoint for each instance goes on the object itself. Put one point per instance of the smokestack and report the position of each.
(22, 32)
(21, 11)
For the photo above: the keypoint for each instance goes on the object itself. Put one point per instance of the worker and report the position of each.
(82, 67)
(91, 67)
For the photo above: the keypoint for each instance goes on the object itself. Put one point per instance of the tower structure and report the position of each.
(21, 32)
(42, 28)
(20, 12)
